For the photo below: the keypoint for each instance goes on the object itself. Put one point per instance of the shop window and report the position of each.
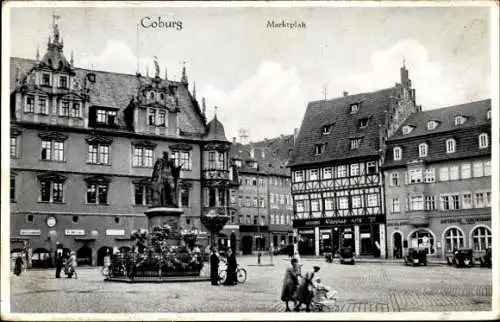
(454, 239)
(423, 239)
(481, 238)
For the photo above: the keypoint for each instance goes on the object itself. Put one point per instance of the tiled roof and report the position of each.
(475, 113)
(215, 130)
(268, 163)
(466, 135)
(345, 126)
(281, 146)
(116, 90)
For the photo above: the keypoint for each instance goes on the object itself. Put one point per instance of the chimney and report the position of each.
(203, 106)
(345, 93)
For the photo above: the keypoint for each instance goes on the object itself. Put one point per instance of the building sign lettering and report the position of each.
(308, 231)
(466, 220)
(74, 232)
(30, 232)
(115, 232)
(355, 220)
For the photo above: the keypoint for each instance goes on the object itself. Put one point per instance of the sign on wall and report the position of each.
(30, 232)
(115, 232)
(74, 232)
(354, 220)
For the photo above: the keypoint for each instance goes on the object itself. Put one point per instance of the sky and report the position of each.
(260, 78)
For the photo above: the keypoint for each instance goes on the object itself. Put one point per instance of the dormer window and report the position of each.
(450, 145)
(431, 125)
(363, 122)
(483, 141)
(319, 149)
(407, 129)
(488, 115)
(45, 79)
(105, 117)
(422, 150)
(355, 143)
(354, 108)
(326, 129)
(397, 153)
(459, 120)
(63, 82)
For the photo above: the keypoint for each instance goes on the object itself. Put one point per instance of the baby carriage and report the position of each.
(324, 299)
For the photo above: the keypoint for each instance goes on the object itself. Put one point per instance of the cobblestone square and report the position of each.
(364, 287)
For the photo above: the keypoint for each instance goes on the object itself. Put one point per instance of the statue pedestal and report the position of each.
(159, 216)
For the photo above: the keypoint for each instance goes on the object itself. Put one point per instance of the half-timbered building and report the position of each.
(337, 184)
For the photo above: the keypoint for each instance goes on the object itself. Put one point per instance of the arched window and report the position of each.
(398, 153)
(453, 238)
(422, 150)
(422, 239)
(481, 238)
(483, 140)
(450, 145)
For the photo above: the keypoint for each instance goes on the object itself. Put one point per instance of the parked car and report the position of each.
(461, 258)
(416, 257)
(485, 260)
(346, 255)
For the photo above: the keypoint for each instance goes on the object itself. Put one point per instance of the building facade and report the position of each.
(263, 199)
(438, 181)
(337, 186)
(83, 145)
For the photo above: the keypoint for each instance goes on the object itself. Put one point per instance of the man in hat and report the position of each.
(59, 259)
(214, 267)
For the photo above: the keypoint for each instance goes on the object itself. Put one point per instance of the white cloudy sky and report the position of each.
(261, 79)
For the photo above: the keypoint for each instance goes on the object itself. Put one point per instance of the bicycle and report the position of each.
(241, 275)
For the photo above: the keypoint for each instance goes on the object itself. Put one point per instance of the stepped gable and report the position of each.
(336, 112)
(475, 112)
(117, 90)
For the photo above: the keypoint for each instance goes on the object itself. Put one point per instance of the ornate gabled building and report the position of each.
(83, 144)
(337, 186)
(438, 181)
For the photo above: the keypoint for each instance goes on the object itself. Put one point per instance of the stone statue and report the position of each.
(164, 182)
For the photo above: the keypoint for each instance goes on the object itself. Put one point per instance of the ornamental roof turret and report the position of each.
(215, 130)
(54, 58)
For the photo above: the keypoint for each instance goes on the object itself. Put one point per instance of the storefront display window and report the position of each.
(481, 238)
(423, 239)
(453, 239)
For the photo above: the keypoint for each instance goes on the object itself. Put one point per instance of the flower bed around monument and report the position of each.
(154, 255)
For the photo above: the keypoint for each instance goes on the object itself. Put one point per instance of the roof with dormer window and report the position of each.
(466, 135)
(372, 105)
(269, 163)
(117, 90)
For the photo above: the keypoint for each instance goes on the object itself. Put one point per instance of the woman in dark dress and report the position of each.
(305, 292)
(231, 268)
(18, 265)
(290, 282)
(214, 267)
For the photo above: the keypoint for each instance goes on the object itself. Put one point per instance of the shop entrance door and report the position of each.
(397, 244)
(246, 245)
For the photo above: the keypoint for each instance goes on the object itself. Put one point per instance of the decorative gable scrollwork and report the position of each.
(181, 146)
(52, 176)
(97, 179)
(99, 140)
(53, 136)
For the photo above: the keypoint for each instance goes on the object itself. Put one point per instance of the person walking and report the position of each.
(59, 259)
(214, 267)
(231, 268)
(72, 265)
(305, 290)
(290, 282)
(18, 265)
